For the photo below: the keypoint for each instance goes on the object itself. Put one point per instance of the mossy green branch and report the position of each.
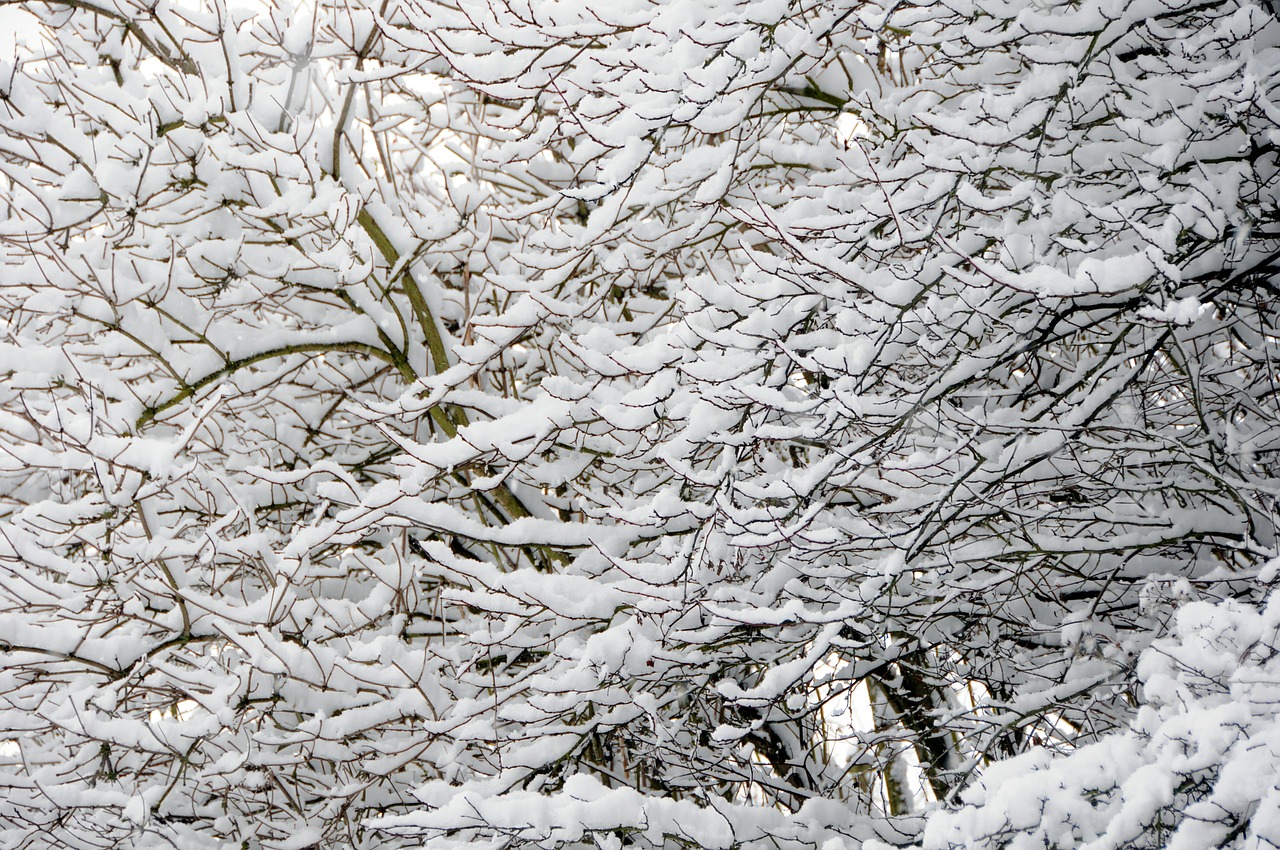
(452, 418)
(421, 310)
(234, 366)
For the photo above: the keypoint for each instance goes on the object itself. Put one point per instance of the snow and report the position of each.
(735, 424)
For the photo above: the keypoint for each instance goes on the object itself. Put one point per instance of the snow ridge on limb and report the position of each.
(1195, 767)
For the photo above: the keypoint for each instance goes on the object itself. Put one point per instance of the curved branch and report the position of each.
(283, 351)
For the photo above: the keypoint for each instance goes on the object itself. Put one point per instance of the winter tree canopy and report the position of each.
(661, 424)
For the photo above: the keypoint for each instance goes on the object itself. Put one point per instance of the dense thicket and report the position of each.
(720, 424)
